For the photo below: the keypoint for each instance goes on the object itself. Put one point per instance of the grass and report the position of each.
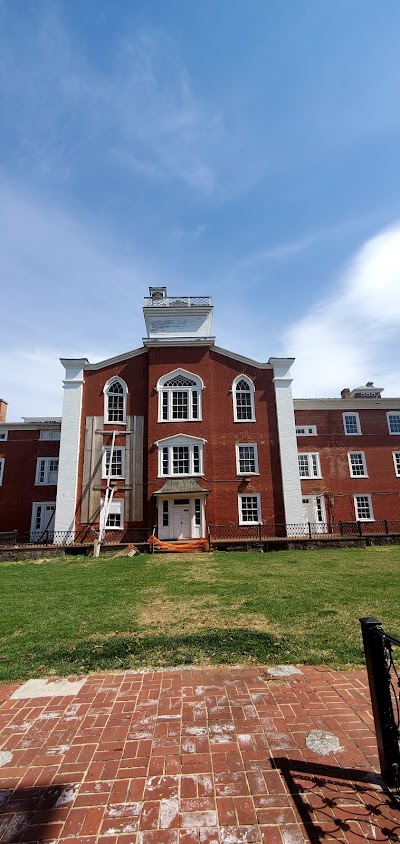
(77, 614)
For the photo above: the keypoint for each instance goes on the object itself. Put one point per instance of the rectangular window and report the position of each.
(50, 435)
(363, 508)
(351, 423)
(117, 463)
(180, 404)
(246, 459)
(165, 470)
(197, 511)
(46, 470)
(180, 460)
(2, 462)
(3, 436)
(165, 513)
(357, 464)
(396, 461)
(249, 509)
(165, 406)
(306, 431)
(393, 419)
(309, 465)
(115, 518)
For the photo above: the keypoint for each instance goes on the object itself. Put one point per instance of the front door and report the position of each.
(42, 524)
(181, 519)
(314, 512)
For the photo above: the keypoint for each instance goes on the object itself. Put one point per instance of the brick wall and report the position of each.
(18, 490)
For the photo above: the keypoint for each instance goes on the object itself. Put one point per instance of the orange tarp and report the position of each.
(192, 545)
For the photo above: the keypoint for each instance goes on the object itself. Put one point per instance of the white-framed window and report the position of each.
(46, 470)
(50, 435)
(249, 509)
(396, 461)
(246, 459)
(2, 462)
(309, 465)
(179, 397)
(115, 518)
(306, 431)
(180, 455)
(117, 462)
(351, 423)
(357, 464)
(243, 399)
(115, 393)
(363, 508)
(393, 420)
(3, 436)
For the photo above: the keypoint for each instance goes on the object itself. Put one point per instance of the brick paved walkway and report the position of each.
(193, 757)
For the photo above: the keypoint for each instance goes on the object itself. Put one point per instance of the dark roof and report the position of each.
(180, 486)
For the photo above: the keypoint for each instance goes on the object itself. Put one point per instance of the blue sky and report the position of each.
(247, 151)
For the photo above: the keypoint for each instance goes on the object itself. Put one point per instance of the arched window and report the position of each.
(115, 392)
(179, 397)
(243, 399)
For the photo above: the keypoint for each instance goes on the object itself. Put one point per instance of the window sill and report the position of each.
(358, 477)
(244, 421)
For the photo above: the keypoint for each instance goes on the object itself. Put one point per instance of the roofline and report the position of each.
(84, 363)
(346, 404)
(257, 364)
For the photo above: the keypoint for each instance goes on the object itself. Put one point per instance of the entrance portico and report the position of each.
(181, 509)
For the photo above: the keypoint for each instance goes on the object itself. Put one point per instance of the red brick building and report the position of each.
(182, 434)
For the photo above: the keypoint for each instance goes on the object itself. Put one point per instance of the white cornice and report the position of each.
(347, 404)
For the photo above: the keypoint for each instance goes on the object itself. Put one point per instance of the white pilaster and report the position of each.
(69, 445)
(287, 440)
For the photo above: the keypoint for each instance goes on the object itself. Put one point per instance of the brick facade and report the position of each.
(145, 489)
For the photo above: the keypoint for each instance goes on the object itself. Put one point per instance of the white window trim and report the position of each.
(2, 463)
(111, 381)
(252, 392)
(364, 462)
(392, 413)
(364, 495)
(184, 373)
(116, 506)
(50, 435)
(396, 467)
(357, 415)
(3, 436)
(47, 460)
(107, 448)
(310, 455)
(177, 440)
(249, 445)
(306, 430)
(249, 495)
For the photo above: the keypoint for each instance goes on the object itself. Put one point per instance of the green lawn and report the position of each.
(76, 614)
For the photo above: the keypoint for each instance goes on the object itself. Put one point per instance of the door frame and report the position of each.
(196, 531)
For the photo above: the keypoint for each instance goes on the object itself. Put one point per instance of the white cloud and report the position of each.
(353, 336)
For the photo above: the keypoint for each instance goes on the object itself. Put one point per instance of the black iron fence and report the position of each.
(304, 530)
(384, 684)
(86, 536)
(216, 533)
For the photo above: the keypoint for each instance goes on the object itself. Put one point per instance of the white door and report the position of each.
(181, 522)
(42, 525)
(314, 513)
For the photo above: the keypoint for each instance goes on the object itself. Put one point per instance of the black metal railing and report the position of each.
(86, 536)
(384, 685)
(303, 530)
(217, 533)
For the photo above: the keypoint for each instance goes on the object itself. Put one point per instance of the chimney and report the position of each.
(345, 393)
(3, 410)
